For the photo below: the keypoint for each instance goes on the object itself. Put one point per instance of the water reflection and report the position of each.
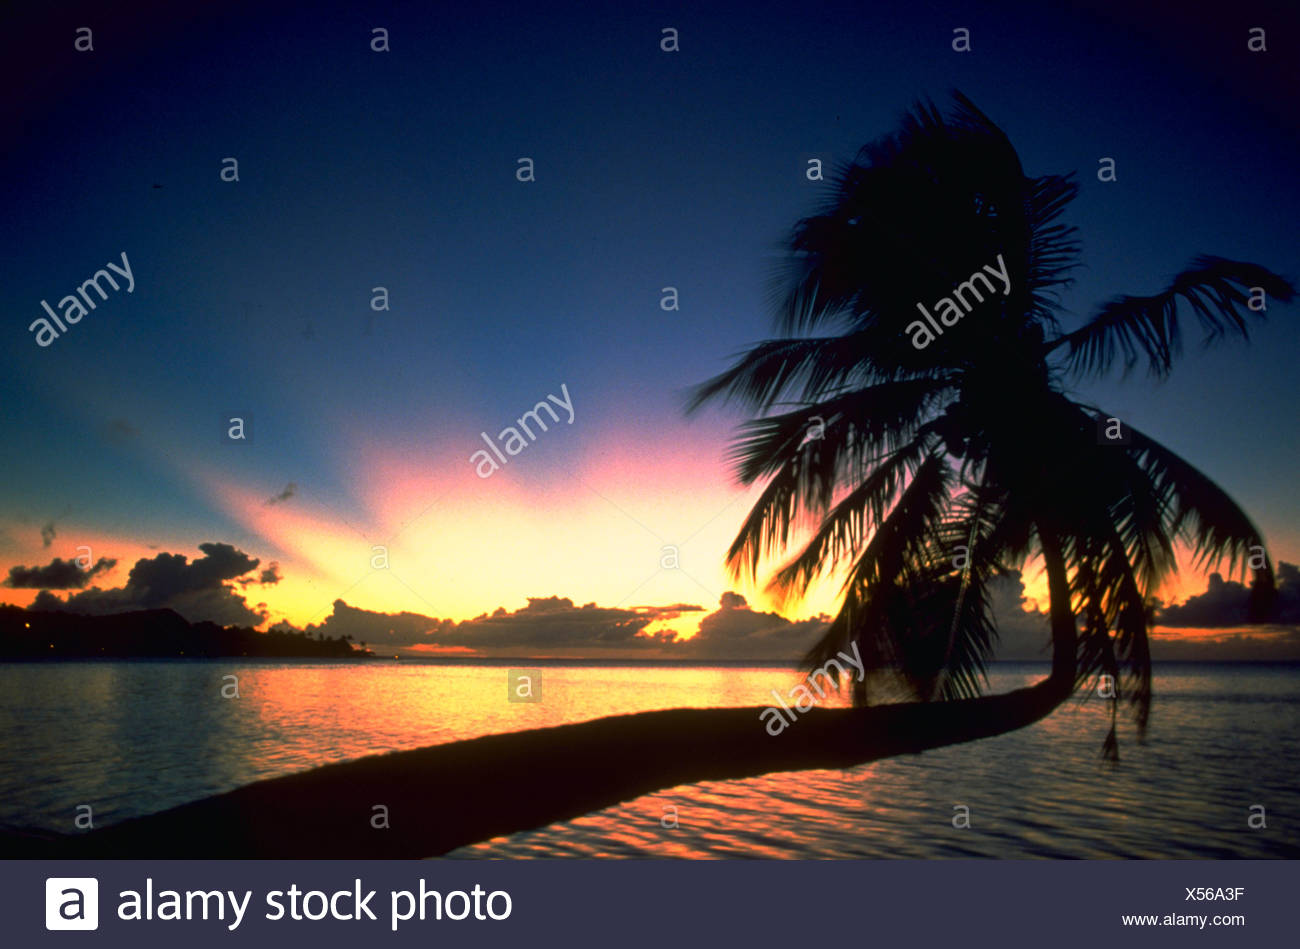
(133, 738)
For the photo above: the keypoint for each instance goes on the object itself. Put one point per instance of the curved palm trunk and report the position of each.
(447, 796)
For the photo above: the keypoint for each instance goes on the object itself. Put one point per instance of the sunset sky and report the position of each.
(361, 169)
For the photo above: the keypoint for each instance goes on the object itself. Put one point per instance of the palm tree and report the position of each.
(940, 467)
(930, 462)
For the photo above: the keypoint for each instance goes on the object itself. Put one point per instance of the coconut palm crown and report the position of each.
(923, 467)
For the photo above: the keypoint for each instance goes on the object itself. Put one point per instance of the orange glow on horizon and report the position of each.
(636, 521)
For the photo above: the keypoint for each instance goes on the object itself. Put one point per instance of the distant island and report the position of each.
(152, 634)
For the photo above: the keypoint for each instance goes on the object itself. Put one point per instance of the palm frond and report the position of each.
(915, 214)
(844, 528)
(865, 423)
(924, 627)
(1151, 326)
(809, 368)
(1200, 511)
(1053, 248)
(867, 428)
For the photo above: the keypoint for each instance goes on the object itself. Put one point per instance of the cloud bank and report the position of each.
(212, 588)
(555, 626)
(547, 625)
(197, 591)
(56, 575)
(1225, 602)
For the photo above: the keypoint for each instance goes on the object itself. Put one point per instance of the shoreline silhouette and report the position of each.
(151, 634)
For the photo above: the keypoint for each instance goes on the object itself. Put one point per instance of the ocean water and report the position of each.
(130, 738)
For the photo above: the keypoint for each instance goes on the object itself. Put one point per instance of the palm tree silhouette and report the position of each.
(937, 468)
(931, 462)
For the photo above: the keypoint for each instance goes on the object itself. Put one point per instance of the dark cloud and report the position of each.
(56, 575)
(198, 591)
(675, 609)
(555, 623)
(47, 602)
(547, 604)
(289, 491)
(555, 626)
(47, 534)
(737, 632)
(1024, 632)
(269, 576)
(1225, 603)
(169, 575)
(393, 629)
(734, 631)
(552, 625)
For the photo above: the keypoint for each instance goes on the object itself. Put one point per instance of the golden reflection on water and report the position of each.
(137, 737)
(388, 706)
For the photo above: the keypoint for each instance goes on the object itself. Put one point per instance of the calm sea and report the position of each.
(130, 738)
